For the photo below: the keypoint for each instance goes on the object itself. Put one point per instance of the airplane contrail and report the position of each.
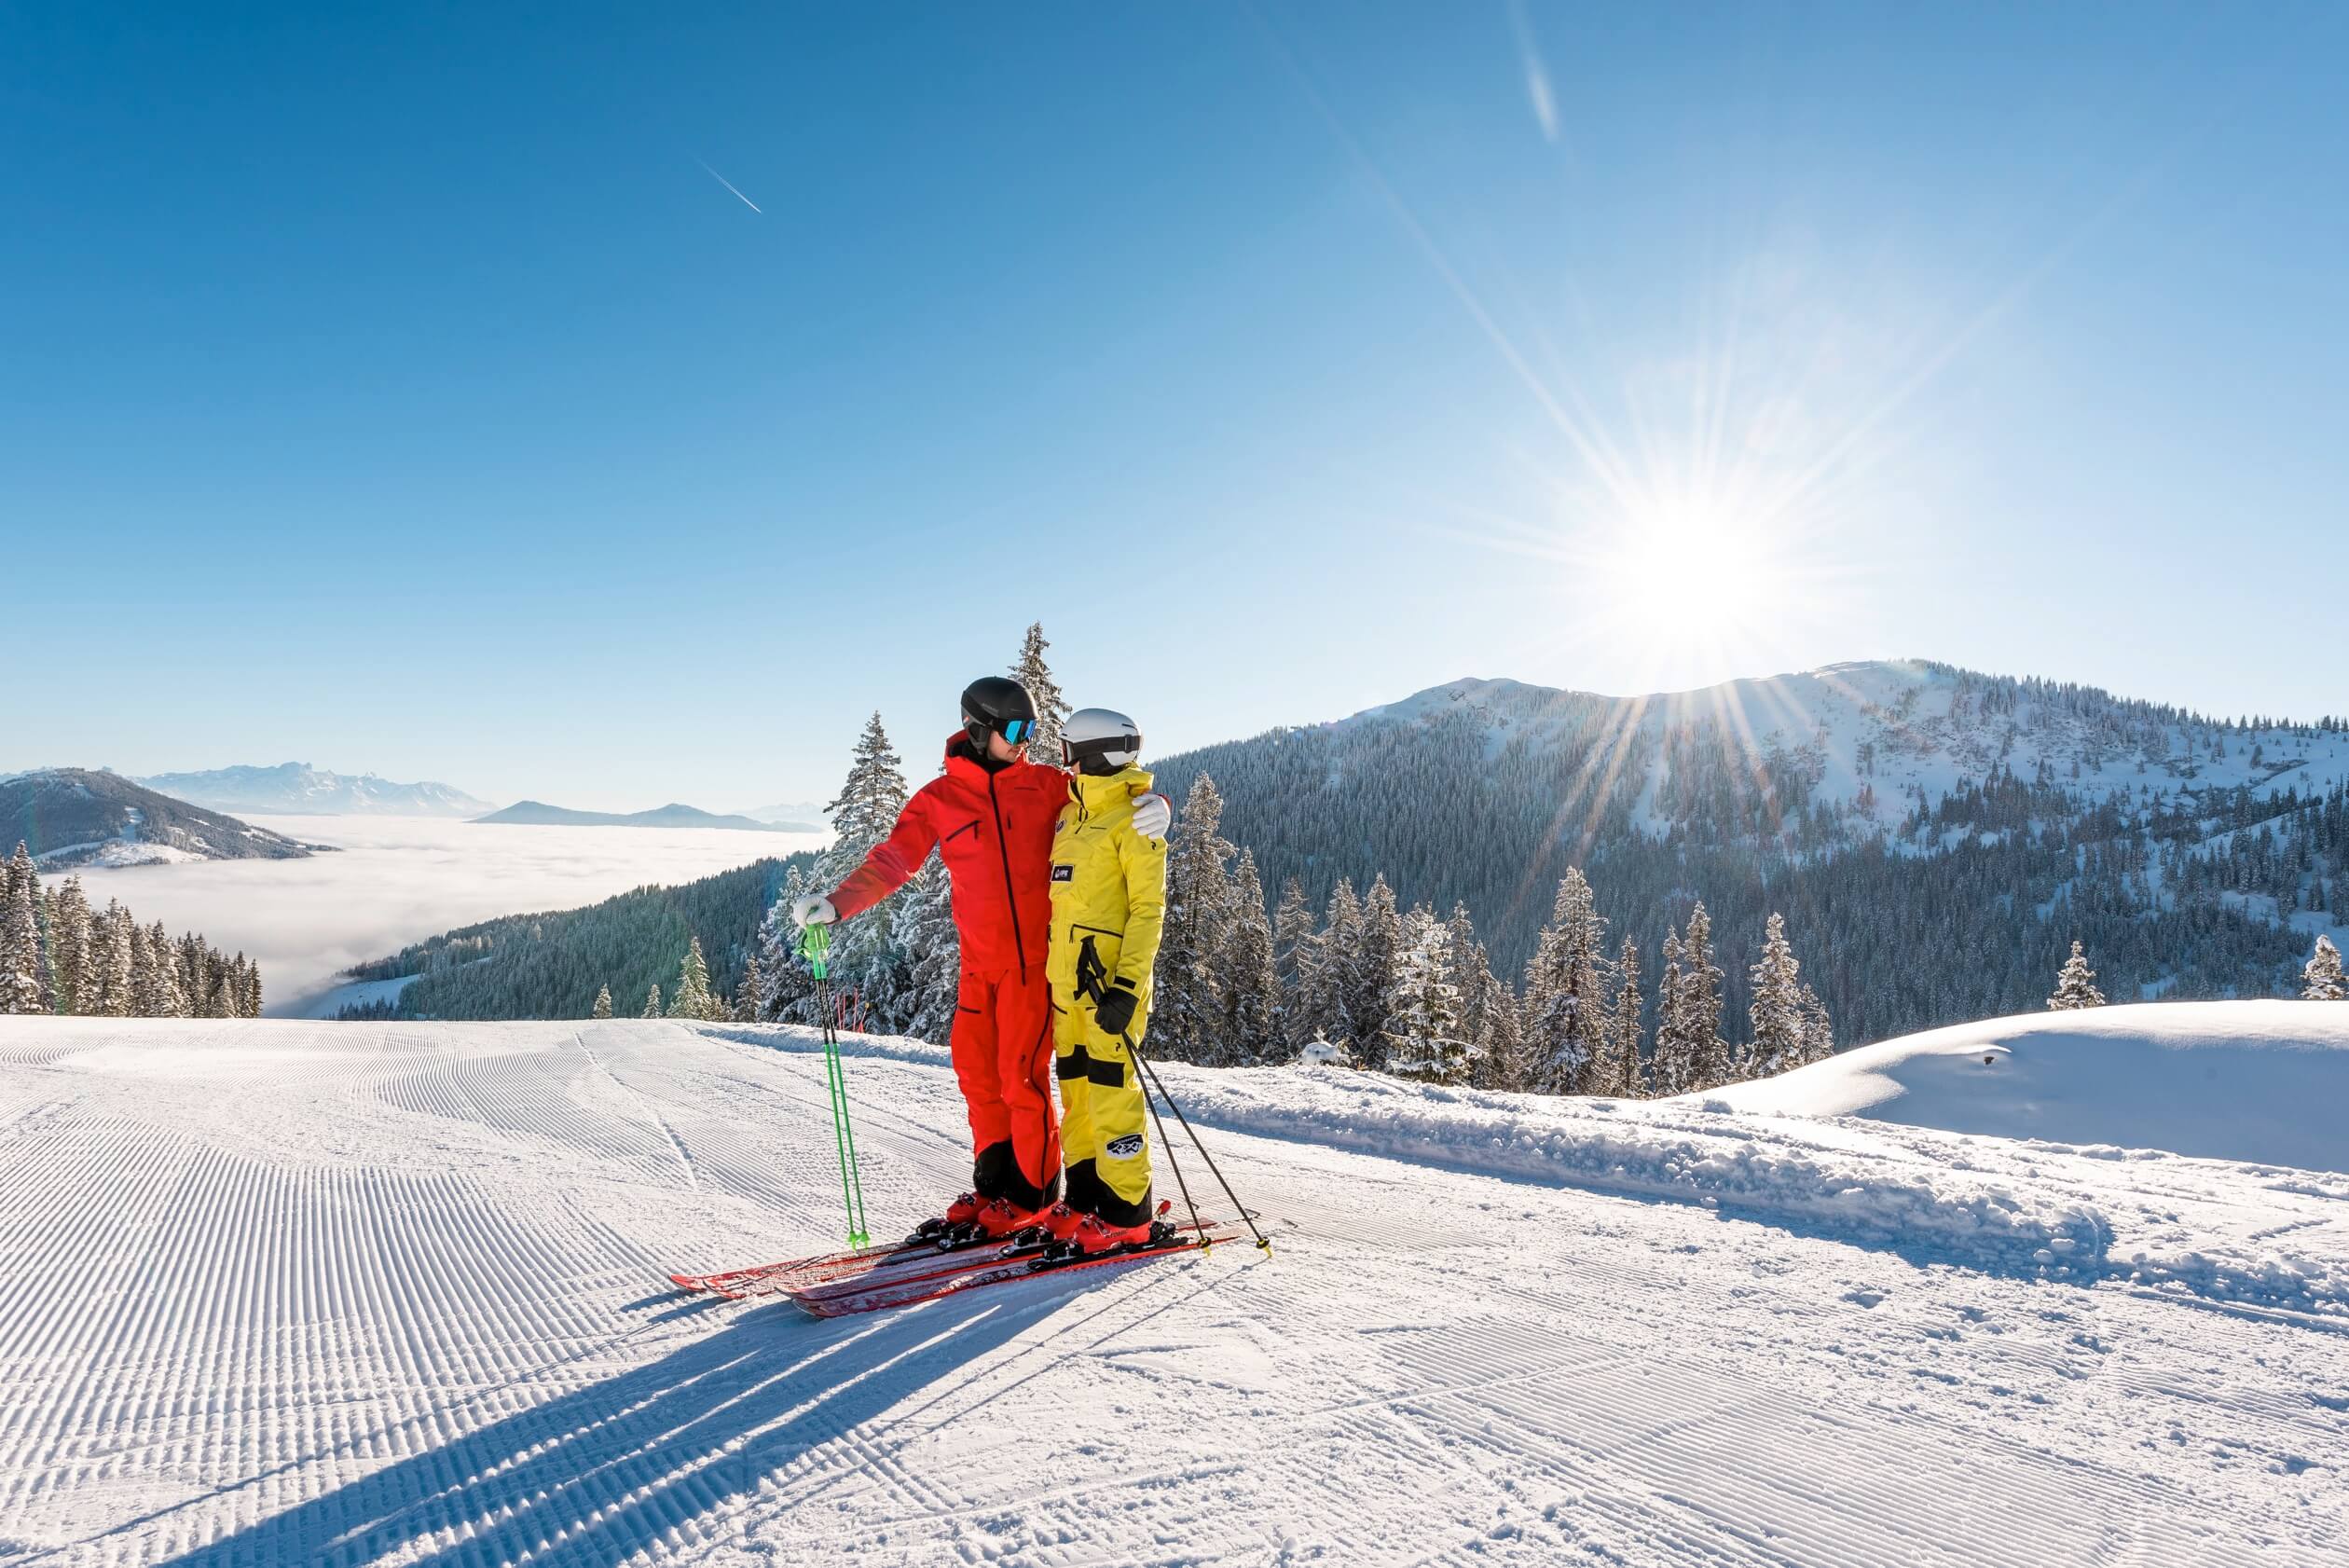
(729, 184)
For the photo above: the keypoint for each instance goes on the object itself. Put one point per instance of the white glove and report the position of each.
(813, 908)
(1153, 814)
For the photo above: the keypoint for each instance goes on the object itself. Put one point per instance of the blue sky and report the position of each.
(405, 392)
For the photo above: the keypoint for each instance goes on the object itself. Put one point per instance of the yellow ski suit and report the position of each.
(1109, 906)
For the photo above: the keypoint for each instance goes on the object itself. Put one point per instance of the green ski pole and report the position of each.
(816, 946)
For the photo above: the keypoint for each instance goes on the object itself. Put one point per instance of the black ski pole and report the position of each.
(1151, 1074)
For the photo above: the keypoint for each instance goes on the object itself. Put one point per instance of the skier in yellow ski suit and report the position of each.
(1108, 904)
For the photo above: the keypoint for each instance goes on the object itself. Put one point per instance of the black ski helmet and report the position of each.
(996, 702)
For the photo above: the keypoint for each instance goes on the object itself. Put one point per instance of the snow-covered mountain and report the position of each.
(799, 817)
(345, 1294)
(298, 790)
(1935, 837)
(537, 814)
(75, 817)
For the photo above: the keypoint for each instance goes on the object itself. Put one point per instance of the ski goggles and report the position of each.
(1016, 731)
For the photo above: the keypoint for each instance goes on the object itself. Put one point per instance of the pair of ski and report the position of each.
(875, 1279)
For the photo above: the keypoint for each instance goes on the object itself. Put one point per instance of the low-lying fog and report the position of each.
(393, 880)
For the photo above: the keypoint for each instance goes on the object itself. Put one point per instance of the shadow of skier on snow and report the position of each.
(609, 1470)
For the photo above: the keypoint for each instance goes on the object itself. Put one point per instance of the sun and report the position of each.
(1684, 583)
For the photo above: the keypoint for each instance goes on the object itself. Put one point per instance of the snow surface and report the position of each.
(2232, 1081)
(296, 1293)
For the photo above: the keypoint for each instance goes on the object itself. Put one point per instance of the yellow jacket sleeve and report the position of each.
(1144, 863)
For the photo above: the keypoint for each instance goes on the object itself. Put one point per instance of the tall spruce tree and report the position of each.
(1566, 989)
(21, 962)
(1248, 989)
(2075, 985)
(1624, 1075)
(1819, 1030)
(1378, 945)
(747, 994)
(1777, 1008)
(1487, 1009)
(1700, 1004)
(1325, 968)
(69, 932)
(693, 998)
(1672, 1069)
(1422, 1037)
(1186, 1006)
(110, 962)
(870, 967)
(2321, 978)
(652, 1002)
(1292, 944)
(603, 1002)
(167, 1001)
(251, 987)
(1051, 708)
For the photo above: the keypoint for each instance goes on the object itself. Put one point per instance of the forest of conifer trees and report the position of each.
(59, 955)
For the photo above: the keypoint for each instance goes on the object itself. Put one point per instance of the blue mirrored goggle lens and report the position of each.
(1017, 730)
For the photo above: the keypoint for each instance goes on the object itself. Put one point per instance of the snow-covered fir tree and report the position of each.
(20, 966)
(1247, 986)
(1422, 1038)
(652, 1002)
(224, 996)
(110, 962)
(1819, 1030)
(788, 989)
(1624, 1077)
(1672, 1068)
(250, 996)
(1051, 708)
(1292, 942)
(1697, 1006)
(868, 965)
(1779, 1041)
(746, 1002)
(1187, 1006)
(1370, 969)
(693, 998)
(1566, 993)
(1323, 973)
(167, 1000)
(69, 939)
(603, 1002)
(2075, 985)
(2321, 979)
(1488, 1008)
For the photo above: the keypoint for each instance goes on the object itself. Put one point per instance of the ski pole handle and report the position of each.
(816, 946)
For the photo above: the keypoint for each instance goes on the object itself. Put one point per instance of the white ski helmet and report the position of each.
(1099, 741)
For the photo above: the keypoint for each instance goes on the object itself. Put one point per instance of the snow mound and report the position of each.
(2260, 1081)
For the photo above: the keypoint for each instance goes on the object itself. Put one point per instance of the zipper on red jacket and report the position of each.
(1010, 895)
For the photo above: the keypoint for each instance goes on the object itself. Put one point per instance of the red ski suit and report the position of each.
(994, 830)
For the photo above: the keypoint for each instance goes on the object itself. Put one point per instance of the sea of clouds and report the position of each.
(393, 880)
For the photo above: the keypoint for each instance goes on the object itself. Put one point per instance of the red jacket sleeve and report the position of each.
(892, 861)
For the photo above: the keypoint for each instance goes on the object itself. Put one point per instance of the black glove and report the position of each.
(1115, 1009)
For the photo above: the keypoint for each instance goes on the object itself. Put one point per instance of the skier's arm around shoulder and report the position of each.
(1143, 862)
(892, 863)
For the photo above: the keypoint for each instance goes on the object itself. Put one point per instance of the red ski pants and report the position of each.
(1003, 1057)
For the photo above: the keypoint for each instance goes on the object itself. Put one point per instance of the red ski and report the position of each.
(822, 1265)
(1032, 1264)
(895, 1273)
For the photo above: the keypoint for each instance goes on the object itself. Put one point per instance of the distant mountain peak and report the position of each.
(298, 789)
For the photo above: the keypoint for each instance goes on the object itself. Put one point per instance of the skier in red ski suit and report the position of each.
(991, 816)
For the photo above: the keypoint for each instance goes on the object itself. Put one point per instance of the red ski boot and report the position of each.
(999, 1219)
(1094, 1236)
(1062, 1221)
(959, 1213)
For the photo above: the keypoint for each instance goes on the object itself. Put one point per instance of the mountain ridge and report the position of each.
(78, 817)
(298, 789)
(539, 814)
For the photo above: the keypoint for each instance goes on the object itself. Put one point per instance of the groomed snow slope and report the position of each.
(287, 1293)
(2232, 1080)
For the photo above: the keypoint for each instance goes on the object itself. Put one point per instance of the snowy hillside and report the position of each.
(299, 789)
(287, 1293)
(1878, 736)
(2232, 1080)
(78, 817)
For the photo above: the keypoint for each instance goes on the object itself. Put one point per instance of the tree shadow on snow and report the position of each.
(611, 1469)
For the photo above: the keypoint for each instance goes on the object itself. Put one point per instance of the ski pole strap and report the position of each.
(816, 946)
